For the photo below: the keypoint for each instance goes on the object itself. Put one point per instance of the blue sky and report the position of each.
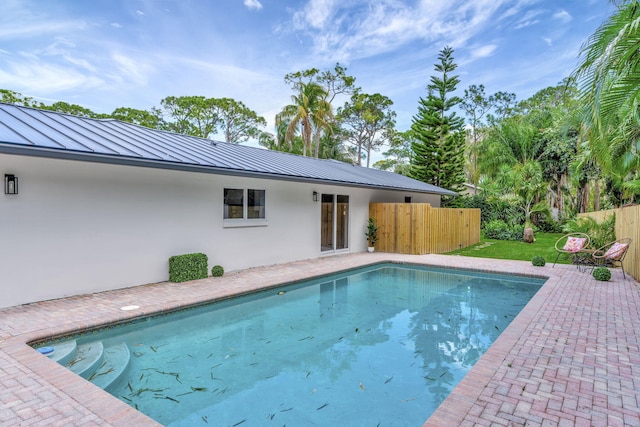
(105, 54)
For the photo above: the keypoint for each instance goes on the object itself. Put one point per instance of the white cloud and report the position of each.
(42, 78)
(548, 41)
(563, 16)
(253, 4)
(483, 51)
(529, 19)
(116, 25)
(315, 14)
(131, 70)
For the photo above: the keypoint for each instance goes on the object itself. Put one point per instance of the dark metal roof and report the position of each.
(32, 132)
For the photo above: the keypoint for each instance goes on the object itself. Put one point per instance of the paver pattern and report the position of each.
(571, 357)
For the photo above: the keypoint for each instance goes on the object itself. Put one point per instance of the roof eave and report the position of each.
(25, 150)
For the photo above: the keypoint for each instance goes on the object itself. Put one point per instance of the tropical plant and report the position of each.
(608, 77)
(600, 233)
(372, 232)
(307, 114)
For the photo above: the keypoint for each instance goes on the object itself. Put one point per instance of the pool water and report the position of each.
(382, 346)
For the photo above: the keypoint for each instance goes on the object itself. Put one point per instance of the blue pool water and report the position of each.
(378, 346)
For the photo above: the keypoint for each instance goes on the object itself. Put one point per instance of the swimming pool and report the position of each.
(383, 345)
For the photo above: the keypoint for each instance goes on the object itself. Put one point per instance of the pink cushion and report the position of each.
(574, 244)
(616, 250)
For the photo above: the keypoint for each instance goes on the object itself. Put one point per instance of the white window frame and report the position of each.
(244, 221)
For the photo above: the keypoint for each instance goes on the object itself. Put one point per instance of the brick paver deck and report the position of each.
(572, 356)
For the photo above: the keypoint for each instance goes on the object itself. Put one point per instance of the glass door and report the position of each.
(334, 227)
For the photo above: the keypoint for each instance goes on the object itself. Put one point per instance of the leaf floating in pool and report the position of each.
(271, 416)
(286, 410)
(357, 330)
(323, 406)
(238, 423)
(198, 388)
(362, 387)
(281, 293)
(155, 350)
(497, 329)
(204, 418)
(388, 380)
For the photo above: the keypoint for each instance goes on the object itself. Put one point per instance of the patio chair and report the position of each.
(611, 254)
(572, 246)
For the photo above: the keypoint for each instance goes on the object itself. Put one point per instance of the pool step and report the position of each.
(87, 359)
(61, 352)
(64, 352)
(113, 366)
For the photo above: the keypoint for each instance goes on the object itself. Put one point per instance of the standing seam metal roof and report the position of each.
(32, 132)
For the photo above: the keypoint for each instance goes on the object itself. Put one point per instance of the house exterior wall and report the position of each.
(78, 227)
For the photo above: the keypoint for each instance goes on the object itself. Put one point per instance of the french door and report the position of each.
(334, 222)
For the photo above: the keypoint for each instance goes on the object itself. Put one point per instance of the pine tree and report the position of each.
(438, 133)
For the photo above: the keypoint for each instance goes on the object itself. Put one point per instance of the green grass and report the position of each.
(507, 249)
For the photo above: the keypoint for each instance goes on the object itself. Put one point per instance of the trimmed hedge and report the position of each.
(188, 267)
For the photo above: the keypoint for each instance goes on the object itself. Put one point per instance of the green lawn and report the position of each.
(506, 249)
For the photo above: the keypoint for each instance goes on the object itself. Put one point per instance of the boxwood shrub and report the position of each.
(602, 273)
(217, 271)
(538, 261)
(188, 267)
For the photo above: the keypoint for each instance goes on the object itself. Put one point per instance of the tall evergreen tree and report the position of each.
(438, 133)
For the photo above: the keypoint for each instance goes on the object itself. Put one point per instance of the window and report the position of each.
(244, 204)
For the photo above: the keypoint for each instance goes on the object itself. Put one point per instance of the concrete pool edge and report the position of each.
(24, 324)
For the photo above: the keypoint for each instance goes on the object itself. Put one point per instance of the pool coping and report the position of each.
(36, 390)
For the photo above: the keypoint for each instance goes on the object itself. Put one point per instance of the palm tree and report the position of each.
(609, 81)
(309, 113)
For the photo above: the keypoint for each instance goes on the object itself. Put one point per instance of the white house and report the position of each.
(91, 205)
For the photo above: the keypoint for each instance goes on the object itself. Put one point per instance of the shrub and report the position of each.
(538, 261)
(602, 273)
(188, 267)
(500, 230)
(217, 271)
(600, 233)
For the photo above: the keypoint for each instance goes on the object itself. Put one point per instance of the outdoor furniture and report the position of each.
(611, 254)
(573, 246)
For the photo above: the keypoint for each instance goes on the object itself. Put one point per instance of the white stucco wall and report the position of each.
(80, 227)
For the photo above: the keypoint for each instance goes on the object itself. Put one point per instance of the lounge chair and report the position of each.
(572, 246)
(611, 254)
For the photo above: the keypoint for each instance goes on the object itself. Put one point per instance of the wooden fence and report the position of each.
(627, 225)
(417, 228)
